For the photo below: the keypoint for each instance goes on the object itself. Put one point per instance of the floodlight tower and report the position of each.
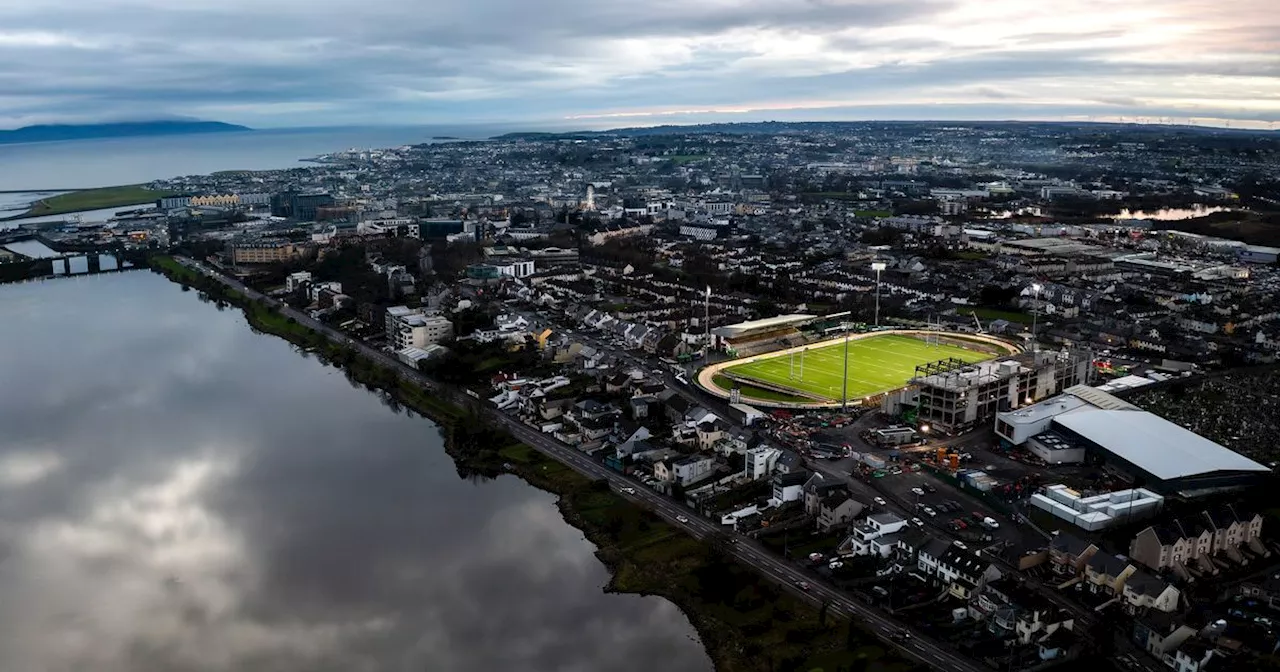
(1035, 314)
(878, 267)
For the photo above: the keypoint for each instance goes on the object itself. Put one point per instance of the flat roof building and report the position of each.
(1163, 455)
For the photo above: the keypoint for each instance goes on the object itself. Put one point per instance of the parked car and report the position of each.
(929, 488)
(929, 512)
(918, 492)
(879, 501)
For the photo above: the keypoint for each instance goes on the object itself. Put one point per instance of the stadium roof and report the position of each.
(1155, 445)
(736, 330)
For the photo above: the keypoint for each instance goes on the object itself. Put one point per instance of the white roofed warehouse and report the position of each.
(1155, 453)
(1161, 455)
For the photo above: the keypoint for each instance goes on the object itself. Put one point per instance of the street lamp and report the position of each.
(1035, 314)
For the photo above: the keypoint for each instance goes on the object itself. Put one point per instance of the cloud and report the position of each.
(288, 62)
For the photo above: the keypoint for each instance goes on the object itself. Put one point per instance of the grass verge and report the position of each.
(997, 314)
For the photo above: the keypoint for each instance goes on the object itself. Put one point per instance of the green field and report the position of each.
(876, 364)
(997, 314)
(94, 199)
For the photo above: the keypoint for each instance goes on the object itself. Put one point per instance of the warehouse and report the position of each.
(1087, 424)
(1156, 453)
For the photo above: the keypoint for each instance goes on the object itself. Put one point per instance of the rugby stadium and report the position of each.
(813, 374)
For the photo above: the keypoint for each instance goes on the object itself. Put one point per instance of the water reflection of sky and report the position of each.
(177, 493)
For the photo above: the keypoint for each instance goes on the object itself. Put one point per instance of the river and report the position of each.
(179, 493)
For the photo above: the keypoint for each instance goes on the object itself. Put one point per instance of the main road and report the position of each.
(746, 550)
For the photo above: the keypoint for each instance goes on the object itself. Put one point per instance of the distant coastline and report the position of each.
(62, 132)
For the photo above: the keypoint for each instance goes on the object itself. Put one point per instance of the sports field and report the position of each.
(876, 364)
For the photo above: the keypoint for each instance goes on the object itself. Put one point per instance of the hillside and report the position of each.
(56, 132)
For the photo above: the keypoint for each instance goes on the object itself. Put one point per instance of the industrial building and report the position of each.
(1087, 424)
(1098, 511)
(954, 397)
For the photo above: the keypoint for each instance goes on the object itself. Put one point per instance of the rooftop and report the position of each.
(735, 330)
(1043, 410)
(1159, 447)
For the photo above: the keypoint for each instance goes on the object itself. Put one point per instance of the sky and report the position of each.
(593, 63)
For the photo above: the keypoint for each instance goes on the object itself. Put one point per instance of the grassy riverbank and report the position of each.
(94, 199)
(746, 623)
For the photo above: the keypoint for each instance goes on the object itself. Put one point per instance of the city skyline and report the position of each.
(583, 64)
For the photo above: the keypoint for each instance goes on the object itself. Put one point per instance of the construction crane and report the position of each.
(977, 322)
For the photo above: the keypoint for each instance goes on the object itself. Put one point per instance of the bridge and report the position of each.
(73, 263)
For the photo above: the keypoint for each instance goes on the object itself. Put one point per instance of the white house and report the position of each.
(295, 281)
(692, 468)
(877, 534)
(788, 487)
(759, 462)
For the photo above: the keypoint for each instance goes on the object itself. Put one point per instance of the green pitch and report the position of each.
(876, 364)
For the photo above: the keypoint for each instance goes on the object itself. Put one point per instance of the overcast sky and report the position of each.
(614, 62)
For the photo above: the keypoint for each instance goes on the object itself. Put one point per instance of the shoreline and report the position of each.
(644, 555)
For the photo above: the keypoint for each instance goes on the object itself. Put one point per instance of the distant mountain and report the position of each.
(54, 132)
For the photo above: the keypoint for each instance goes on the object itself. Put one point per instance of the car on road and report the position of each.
(802, 585)
(917, 522)
(629, 491)
(879, 501)
(918, 492)
(900, 636)
(929, 512)
(681, 519)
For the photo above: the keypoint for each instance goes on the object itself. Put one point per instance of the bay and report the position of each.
(82, 164)
(178, 493)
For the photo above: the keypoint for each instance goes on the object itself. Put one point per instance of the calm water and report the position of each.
(99, 163)
(180, 494)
